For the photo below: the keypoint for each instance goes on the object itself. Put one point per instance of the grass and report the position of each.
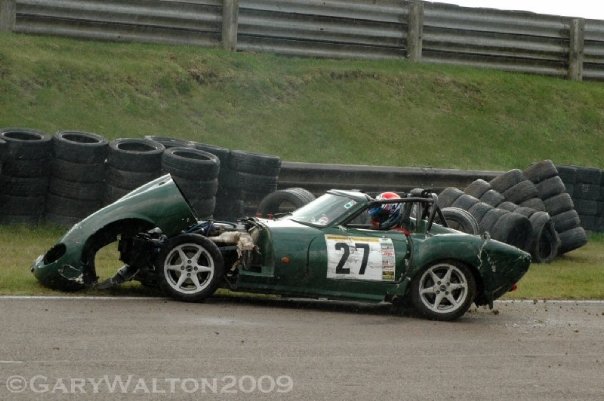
(330, 111)
(343, 111)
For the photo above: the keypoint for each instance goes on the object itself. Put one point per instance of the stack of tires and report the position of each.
(559, 204)
(77, 179)
(130, 164)
(503, 225)
(585, 191)
(196, 174)
(250, 177)
(24, 178)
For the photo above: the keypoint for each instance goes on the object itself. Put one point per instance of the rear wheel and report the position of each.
(190, 268)
(443, 291)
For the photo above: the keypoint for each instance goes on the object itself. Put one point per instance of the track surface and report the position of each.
(326, 351)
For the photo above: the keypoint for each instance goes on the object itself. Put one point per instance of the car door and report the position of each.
(357, 263)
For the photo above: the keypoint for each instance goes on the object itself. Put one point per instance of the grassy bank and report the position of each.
(345, 111)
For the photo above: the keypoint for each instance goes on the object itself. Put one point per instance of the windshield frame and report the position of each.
(317, 208)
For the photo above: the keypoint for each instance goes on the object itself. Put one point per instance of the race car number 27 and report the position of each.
(360, 258)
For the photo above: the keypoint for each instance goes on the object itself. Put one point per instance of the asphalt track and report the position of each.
(248, 349)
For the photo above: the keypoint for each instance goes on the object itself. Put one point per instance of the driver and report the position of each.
(387, 216)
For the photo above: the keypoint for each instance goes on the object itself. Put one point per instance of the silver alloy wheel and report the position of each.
(189, 268)
(443, 288)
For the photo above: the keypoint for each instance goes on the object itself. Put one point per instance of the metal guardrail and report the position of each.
(420, 31)
(319, 178)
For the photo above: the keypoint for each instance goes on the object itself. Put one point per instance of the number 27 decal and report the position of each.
(343, 246)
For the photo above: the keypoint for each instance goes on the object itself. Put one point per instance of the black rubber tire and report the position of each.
(587, 192)
(507, 180)
(540, 171)
(589, 175)
(586, 207)
(487, 223)
(77, 190)
(304, 193)
(513, 229)
(568, 174)
(479, 210)
(526, 211)
(23, 186)
(229, 209)
(255, 163)
(195, 188)
(521, 192)
(465, 202)
(26, 219)
(558, 204)
(566, 220)
(572, 239)
(22, 205)
(223, 154)
(492, 197)
(509, 206)
(208, 256)
(448, 196)
(550, 187)
(169, 142)
(135, 154)
(80, 147)
(79, 172)
(3, 151)
(570, 189)
(460, 220)
(77, 208)
(26, 144)
(113, 193)
(257, 184)
(191, 163)
(534, 203)
(477, 188)
(545, 241)
(282, 201)
(203, 207)
(421, 301)
(26, 168)
(129, 179)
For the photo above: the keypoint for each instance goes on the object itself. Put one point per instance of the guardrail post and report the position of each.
(576, 47)
(8, 15)
(415, 29)
(230, 17)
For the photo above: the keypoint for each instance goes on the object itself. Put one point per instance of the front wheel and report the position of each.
(190, 267)
(443, 291)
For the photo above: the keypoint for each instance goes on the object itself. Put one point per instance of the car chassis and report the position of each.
(325, 249)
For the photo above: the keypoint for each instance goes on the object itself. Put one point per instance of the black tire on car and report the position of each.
(135, 154)
(447, 298)
(80, 147)
(195, 277)
(460, 220)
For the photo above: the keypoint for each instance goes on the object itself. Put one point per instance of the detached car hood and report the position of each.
(69, 265)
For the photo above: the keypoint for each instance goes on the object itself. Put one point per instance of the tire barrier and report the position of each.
(26, 155)
(196, 173)
(557, 201)
(586, 187)
(130, 163)
(77, 184)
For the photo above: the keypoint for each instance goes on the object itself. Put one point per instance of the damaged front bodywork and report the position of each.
(69, 265)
